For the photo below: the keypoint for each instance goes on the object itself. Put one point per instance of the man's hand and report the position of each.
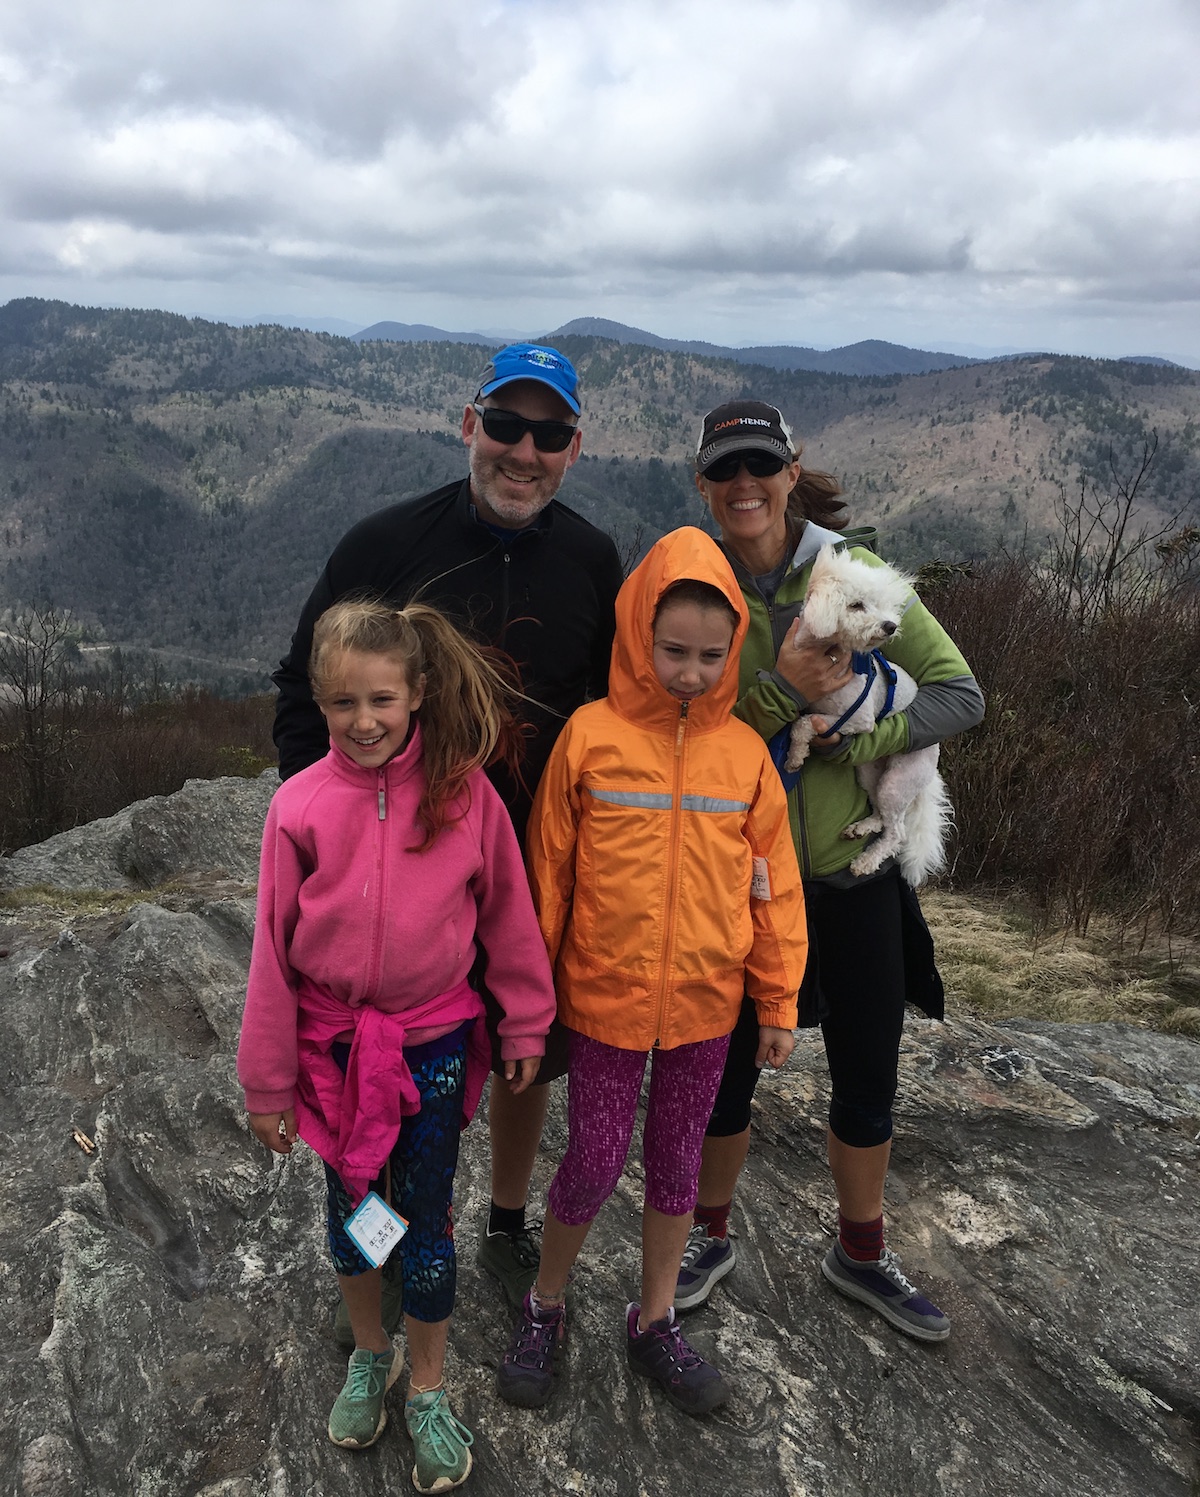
(774, 1046)
(275, 1129)
(520, 1073)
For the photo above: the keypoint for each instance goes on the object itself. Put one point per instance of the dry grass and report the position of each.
(997, 966)
(70, 901)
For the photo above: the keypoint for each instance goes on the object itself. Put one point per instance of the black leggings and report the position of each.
(856, 977)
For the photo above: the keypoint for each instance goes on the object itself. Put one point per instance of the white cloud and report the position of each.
(773, 172)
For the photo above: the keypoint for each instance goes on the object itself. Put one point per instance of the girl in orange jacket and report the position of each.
(665, 880)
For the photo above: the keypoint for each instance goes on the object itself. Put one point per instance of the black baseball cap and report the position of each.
(744, 426)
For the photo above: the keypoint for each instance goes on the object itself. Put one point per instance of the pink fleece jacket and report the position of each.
(349, 919)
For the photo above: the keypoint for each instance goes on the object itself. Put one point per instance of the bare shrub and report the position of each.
(1080, 789)
(79, 741)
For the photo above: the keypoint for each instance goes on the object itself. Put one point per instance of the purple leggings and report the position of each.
(603, 1087)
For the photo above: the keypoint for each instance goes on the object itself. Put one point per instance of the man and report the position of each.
(516, 569)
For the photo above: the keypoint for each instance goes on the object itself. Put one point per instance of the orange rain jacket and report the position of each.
(660, 855)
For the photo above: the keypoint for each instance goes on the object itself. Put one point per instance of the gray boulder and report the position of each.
(168, 1300)
(209, 827)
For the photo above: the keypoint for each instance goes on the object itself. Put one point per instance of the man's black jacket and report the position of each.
(543, 595)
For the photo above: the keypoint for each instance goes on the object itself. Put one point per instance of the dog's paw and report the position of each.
(868, 862)
(864, 828)
(799, 746)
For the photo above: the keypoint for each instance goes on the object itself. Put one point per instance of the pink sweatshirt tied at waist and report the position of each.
(353, 1121)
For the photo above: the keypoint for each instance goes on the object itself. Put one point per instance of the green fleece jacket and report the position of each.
(828, 796)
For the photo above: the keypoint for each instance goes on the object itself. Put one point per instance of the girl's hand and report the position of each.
(774, 1046)
(520, 1073)
(814, 667)
(275, 1129)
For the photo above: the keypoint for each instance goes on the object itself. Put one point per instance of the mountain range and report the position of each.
(869, 357)
(177, 483)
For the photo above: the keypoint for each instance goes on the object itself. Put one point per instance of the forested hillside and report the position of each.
(177, 483)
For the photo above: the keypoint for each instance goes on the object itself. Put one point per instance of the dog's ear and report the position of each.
(822, 608)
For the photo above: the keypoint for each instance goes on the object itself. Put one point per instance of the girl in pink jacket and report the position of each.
(380, 864)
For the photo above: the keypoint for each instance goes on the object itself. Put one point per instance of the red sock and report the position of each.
(862, 1241)
(714, 1219)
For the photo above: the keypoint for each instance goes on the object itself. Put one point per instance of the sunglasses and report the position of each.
(758, 465)
(507, 428)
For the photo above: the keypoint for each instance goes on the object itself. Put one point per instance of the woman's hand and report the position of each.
(813, 667)
(275, 1129)
(520, 1073)
(774, 1046)
(822, 737)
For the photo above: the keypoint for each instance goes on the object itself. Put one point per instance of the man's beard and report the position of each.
(489, 485)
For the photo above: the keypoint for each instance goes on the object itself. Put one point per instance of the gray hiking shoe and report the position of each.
(884, 1288)
(512, 1258)
(706, 1261)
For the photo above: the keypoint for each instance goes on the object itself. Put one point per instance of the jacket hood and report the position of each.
(634, 691)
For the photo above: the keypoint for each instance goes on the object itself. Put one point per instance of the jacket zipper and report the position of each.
(504, 599)
(380, 875)
(672, 871)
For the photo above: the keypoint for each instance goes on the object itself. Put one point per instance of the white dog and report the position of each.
(861, 607)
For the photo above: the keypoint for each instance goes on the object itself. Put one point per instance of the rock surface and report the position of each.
(168, 1300)
(208, 827)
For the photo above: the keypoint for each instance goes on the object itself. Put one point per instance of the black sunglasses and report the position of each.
(507, 428)
(758, 465)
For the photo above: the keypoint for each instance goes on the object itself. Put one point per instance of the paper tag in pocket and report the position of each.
(376, 1229)
(760, 879)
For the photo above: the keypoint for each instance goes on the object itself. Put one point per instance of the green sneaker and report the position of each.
(393, 1310)
(359, 1416)
(440, 1443)
(512, 1258)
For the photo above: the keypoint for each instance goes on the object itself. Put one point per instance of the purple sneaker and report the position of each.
(526, 1374)
(706, 1261)
(882, 1286)
(661, 1352)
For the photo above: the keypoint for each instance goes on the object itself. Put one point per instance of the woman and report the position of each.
(870, 951)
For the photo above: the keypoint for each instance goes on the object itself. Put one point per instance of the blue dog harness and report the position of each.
(869, 667)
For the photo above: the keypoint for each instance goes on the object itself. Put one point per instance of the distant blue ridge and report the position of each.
(871, 356)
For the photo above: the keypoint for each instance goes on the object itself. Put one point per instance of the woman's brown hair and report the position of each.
(467, 718)
(815, 497)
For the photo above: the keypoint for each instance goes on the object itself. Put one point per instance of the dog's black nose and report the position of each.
(889, 627)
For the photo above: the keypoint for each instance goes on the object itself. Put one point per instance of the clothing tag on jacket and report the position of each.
(760, 879)
(375, 1228)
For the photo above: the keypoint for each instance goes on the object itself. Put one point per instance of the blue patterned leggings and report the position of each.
(422, 1166)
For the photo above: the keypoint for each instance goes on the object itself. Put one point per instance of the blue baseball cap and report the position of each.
(530, 361)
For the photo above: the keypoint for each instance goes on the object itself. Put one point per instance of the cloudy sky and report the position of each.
(998, 173)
